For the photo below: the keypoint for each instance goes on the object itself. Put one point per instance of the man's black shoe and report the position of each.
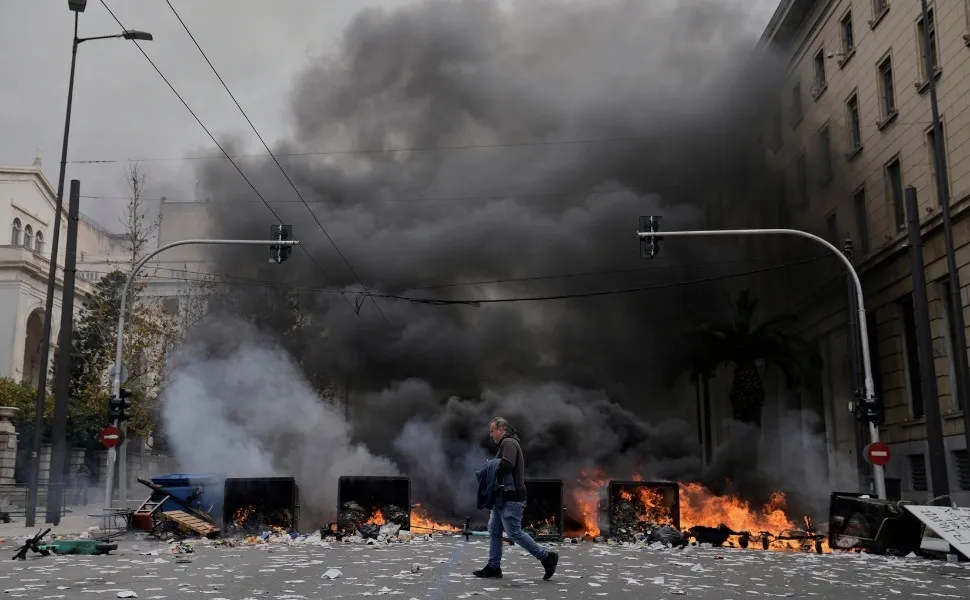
(549, 563)
(489, 573)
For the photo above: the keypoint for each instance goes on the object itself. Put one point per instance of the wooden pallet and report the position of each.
(186, 521)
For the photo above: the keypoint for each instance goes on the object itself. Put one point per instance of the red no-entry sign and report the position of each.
(877, 454)
(110, 436)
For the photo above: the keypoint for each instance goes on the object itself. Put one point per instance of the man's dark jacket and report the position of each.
(489, 488)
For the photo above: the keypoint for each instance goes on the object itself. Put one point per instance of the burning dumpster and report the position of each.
(544, 510)
(877, 526)
(638, 507)
(373, 501)
(254, 504)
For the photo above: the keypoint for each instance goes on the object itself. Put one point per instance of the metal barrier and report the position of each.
(13, 499)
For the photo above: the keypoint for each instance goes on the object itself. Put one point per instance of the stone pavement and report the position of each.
(439, 569)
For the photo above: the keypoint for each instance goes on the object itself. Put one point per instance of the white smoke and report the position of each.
(237, 404)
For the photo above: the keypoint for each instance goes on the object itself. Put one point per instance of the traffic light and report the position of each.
(651, 246)
(869, 410)
(279, 253)
(118, 407)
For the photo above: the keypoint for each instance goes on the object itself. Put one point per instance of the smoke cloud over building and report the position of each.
(471, 151)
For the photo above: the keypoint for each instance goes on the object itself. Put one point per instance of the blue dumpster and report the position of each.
(202, 491)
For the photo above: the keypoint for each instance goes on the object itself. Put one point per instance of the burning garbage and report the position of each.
(641, 511)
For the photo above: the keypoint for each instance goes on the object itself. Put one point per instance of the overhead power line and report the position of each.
(218, 145)
(276, 160)
(244, 282)
(205, 276)
(630, 290)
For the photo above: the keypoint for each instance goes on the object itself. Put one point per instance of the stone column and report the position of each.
(8, 444)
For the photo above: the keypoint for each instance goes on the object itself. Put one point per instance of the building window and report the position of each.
(825, 153)
(832, 228)
(917, 472)
(774, 131)
(28, 237)
(848, 35)
(170, 306)
(931, 155)
(879, 7)
(894, 191)
(926, 31)
(801, 181)
(949, 318)
(862, 218)
(796, 104)
(887, 90)
(911, 354)
(853, 123)
(15, 233)
(39, 242)
(819, 83)
(962, 460)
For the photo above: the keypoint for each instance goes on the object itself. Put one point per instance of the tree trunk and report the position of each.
(747, 393)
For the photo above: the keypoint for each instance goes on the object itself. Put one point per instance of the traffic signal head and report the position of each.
(279, 253)
(119, 406)
(651, 246)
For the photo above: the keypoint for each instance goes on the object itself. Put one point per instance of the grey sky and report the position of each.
(123, 110)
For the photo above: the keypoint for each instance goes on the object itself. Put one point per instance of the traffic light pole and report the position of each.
(279, 256)
(879, 474)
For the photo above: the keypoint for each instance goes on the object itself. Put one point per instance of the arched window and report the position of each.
(15, 233)
(39, 242)
(28, 237)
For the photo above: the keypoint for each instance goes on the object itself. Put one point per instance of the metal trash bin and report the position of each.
(877, 526)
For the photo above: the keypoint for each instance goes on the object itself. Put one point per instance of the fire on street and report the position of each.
(440, 568)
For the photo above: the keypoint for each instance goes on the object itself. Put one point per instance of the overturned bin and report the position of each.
(873, 525)
(373, 500)
(544, 512)
(260, 503)
(640, 506)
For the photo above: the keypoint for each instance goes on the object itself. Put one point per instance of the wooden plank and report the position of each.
(187, 521)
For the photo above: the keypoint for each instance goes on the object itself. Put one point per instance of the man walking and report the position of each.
(509, 502)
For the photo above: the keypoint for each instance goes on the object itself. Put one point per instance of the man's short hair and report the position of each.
(500, 423)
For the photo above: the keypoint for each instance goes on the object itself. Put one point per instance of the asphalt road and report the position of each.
(440, 569)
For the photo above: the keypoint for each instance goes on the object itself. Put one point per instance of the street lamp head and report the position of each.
(133, 34)
(77, 5)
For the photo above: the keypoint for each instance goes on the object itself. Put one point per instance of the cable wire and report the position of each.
(276, 160)
(233, 279)
(476, 303)
(218, 145)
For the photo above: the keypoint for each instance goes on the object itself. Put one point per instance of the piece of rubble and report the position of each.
(127, 594)
(332, 574)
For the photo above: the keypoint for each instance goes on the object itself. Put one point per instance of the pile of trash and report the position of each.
(389, 533)
(353, 516)
(543, 530)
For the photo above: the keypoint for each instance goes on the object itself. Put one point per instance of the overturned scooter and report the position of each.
(87, 547)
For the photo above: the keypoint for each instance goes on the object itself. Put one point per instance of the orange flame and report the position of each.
(422, 523)
(376, 519)
(698, 507)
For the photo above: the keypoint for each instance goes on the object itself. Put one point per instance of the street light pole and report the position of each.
(30, 511)
(879, 473)
(32, 479)
(958, 326)
(119, 345)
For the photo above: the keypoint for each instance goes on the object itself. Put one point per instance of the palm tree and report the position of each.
(740, 343)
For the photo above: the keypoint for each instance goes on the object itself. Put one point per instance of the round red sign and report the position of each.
(877, 454)
(110, 436)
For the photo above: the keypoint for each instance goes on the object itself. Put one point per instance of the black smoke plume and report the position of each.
(462, 150)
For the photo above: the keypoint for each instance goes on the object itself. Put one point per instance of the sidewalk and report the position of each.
(70, 525)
